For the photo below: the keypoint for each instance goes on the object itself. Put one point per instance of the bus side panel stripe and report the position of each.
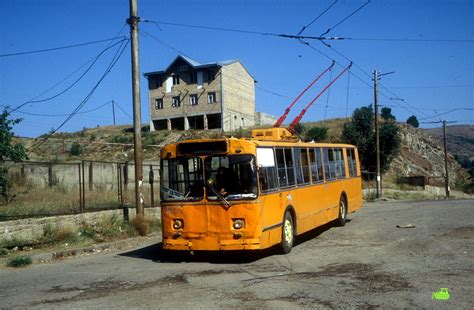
(271, 227)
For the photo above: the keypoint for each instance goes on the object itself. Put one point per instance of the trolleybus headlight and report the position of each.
(238, 223)
(178, 224)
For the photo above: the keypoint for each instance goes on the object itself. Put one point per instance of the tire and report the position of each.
(287, 233)
(341, 220)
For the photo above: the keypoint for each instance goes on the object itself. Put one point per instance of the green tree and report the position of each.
(317, 133)
(360, 131)
(299, 128)
(386, 114)
(8, 151)
(412, 120)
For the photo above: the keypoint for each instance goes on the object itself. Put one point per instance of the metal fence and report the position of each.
(53, 188)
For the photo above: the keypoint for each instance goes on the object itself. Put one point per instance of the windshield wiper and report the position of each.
(219, 195)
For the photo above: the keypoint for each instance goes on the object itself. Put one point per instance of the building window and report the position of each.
(158, 103)
(176, 79)
(176, 102)
(183, 68)
(211, 75)
(193, 99)
(211, 97)
(192, 77)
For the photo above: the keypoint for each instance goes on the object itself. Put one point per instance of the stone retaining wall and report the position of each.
(32, 229)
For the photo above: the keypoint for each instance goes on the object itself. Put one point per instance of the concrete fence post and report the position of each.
(91, 174)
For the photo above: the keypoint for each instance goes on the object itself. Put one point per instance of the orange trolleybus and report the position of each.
(249, 194)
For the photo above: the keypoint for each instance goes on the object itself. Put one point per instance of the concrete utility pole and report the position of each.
(137, 139)
(376, 78)
(446, 176)
(377, 143)
(113, 111)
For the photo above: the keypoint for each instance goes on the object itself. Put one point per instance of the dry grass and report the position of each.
(141, 225)
(32, 201)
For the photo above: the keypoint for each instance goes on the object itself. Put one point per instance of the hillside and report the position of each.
(460, 142)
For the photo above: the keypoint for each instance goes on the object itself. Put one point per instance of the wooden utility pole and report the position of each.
(446, 176)
(376, 78)
(113, 110)
(137, 139)
(377, 142)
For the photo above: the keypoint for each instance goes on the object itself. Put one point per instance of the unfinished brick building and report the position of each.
(191, 95)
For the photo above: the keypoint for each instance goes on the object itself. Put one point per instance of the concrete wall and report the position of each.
(263, 119)
(102, 176)
(31, 230)
(238, 92)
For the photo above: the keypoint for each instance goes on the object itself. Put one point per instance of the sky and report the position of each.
(434, 69)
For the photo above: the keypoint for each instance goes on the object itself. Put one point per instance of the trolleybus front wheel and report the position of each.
(287, 233)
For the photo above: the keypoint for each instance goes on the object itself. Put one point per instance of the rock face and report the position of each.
(421, 155)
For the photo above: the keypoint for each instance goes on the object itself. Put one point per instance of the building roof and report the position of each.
(195, 64)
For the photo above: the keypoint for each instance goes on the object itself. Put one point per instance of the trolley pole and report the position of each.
(137, 143)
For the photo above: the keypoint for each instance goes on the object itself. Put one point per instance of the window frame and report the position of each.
(176, 101)
(193, 99)
(176, 79)
(158, 103)
(211, 97)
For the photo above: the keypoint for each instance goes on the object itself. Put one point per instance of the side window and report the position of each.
(297, 161)
(351, 161)
(290, 167)
(329, 164)
(305, 165)
(339, 163)
(316, 165)
(282, 178)
(301, 165)
(286, 169)
(267, 167)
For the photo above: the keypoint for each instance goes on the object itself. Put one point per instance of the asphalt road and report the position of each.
(367, 264)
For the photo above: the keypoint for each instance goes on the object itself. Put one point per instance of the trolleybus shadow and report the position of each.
(157, 254)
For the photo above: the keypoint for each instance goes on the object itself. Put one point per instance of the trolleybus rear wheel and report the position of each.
(341, 220)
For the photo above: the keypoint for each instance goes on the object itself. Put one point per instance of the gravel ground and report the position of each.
(369, 263)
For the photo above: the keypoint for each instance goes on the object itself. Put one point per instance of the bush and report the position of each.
(317, 134)
(76, 149)
(19, 261)
(3, 252)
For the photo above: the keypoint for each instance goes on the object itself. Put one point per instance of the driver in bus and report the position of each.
(223, 180)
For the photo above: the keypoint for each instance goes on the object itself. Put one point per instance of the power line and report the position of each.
(123, 110)
(317, 17)
(58, 115)
(72, 84)
(411, 40)
(345, 18)
(280, 35)
(450, 111)
(61, 47)
(407, 107)
(114, 60)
